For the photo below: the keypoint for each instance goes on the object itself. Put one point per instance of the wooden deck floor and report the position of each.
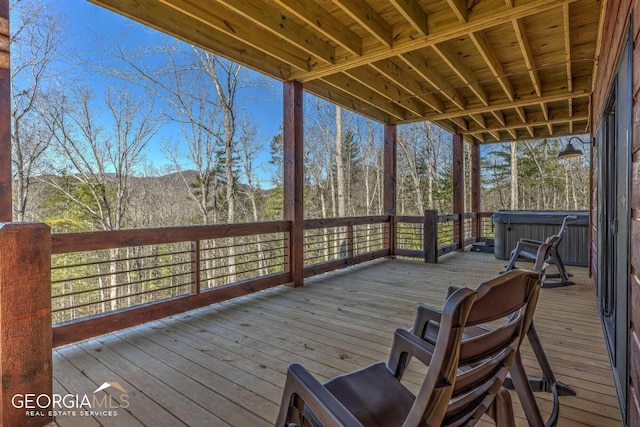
(225, 364)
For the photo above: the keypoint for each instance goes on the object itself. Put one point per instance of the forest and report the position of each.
(130, 136)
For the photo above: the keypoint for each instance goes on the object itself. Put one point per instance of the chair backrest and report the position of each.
(543, 253)
(563, 229)
(460, 386)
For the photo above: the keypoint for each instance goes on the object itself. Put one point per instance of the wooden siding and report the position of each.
(617, 16)
(225, 364)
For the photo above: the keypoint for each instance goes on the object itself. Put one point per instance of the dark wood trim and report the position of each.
(389, 182)
(25, 319)
(449, 218)
(293, 131)
(314, 270)
(315, 223)
(476, 195)
(458, 187)
(96, 240)
(409, 219)
(413, 253)
(67, 333)
(6, 179)
(430, 238)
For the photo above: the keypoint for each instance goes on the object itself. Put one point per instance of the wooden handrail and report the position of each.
(311, 224)
(96, 240)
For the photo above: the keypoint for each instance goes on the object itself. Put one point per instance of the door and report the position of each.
(614, 164)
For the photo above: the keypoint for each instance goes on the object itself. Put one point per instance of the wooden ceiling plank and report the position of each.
(395, 74)
(369, 19)
(358, 90)
(509, 3)
(465, 74)
(196, 32)
(368, 78)
(435, 79)
(459, 8)
(279, 25)
(525, 47)
(495, 134)
(323, 22)
(479, 120)
(523, 102)
(461, 123)
(224, 21)
(413, 14)
(531, 132)
(499, 117)
(337, 96)
(481, 43)
(539, 122)
(438, 35)
(567, 45)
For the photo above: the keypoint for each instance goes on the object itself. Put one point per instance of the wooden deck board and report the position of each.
(226, 364)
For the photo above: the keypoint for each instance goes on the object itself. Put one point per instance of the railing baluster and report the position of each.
(195, 267)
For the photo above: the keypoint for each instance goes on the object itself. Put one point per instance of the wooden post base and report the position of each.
(25, 324)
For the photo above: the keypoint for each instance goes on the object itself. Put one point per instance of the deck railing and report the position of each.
(108, 280)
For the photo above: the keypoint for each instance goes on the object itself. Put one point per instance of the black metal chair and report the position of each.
(527, 249)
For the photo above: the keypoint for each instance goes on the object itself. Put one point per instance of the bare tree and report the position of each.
(100, 161)
(35, 37)
(514, 176)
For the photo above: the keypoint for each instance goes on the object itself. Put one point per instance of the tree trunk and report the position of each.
(514, 177)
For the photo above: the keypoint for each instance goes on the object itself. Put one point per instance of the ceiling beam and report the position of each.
(343, 82)
(435, 79)
(370, 79)
(438, 33)
(523, 102)
(499, 117)
(197, 32)
(512, 133)
(369, 19)
(227, 23)
(461, 123)
(459, 8)
(337, 96)
(276, 23)
(538, 120)
(521, 113)
(323, 22)
(413, 14)
(465, 74)
(481, 43)
(567, 45)
(412, 86)
(525, 48)
(545, 114)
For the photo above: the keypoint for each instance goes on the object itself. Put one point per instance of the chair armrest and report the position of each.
(530, 241)
(327, 409)
(424, 315)
(404, 345)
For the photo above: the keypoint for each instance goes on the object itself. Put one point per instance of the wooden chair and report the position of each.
(527, 250)
(464, 378)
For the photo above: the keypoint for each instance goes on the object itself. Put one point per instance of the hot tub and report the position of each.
(510, 226)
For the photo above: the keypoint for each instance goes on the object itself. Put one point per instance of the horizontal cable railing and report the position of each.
(109, 280)
(103, 281)
(413, 233)
(334, 243)
(487, 226)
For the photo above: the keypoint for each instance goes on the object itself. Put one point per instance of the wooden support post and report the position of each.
(458, 190)
(476, 199)
(5, 116)
(430, 236)
(350, 242)
(389, 189)
(195, 267)
(293, 179)
(25, 323)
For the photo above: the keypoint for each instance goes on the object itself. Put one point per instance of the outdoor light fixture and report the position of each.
(569, 150)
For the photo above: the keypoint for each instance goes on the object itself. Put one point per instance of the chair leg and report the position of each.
(512, 259)
(525, 394)
(503, 409)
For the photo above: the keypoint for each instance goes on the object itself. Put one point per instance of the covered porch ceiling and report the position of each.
(492, 70)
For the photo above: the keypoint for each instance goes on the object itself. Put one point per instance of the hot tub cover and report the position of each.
(539, 217)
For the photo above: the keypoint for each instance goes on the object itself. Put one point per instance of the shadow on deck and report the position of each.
(225, 364)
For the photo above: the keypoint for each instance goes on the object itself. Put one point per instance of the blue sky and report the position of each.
(85, 23)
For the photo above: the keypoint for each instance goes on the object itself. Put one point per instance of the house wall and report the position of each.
(617, 15)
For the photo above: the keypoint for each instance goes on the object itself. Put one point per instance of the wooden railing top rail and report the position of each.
(96, 240)
(314, 223)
